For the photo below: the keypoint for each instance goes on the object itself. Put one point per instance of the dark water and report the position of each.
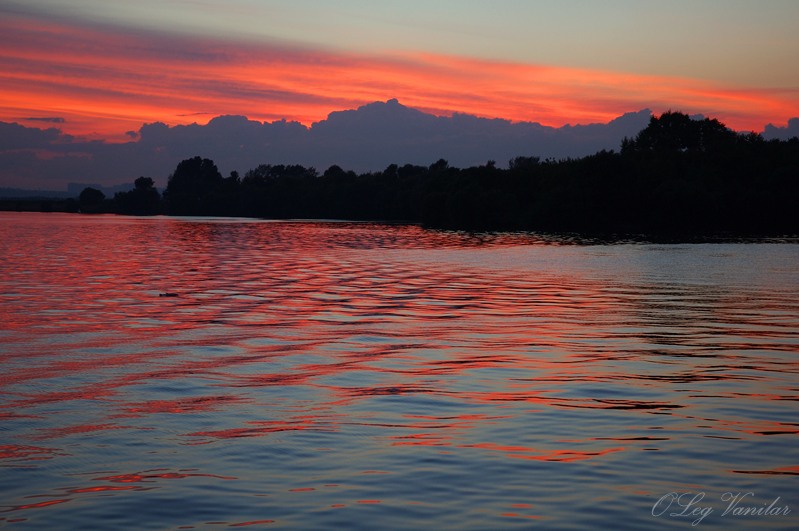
(361, 376)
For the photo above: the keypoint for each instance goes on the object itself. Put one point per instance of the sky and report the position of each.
(99, 70)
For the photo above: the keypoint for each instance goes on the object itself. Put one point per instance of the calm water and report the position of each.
(361, 376)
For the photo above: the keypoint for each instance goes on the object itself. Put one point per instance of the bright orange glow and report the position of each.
(104, 84)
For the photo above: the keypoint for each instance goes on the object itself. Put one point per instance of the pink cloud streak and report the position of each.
(106, 81)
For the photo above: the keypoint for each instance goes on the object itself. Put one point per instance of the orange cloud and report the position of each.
(107, 81)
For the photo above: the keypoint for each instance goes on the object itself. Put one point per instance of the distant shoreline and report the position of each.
(679, 179)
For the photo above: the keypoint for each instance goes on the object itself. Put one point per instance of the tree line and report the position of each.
(678, 175)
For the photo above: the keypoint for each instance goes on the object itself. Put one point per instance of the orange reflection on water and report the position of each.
(103, 488)
(38, 505)
(151, 475)
(28, 453)
(785, 470)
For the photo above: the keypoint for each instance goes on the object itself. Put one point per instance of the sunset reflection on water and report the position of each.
(321, 375)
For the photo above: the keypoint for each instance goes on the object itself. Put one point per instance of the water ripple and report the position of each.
(351, 375)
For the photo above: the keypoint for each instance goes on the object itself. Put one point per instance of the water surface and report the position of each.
(167, 373)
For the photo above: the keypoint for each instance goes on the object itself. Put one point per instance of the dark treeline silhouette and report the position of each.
(679, 175)
(143, 200)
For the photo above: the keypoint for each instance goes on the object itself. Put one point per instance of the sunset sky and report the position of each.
(100, 69)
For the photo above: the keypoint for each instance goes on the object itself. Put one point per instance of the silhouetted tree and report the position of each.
(674, 132)
(91, 200)
(278, 191)
(225, 200)
(439, 166)
(191, 188)
(391, 171)
(334, 172)
(143, 200)
(523, 163)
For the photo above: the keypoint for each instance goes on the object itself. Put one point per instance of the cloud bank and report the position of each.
(365, 139)
(772, 131)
